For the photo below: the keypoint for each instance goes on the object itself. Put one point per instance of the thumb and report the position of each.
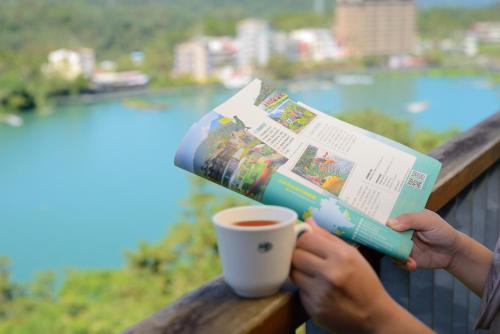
(409, 221)
(410, 264)
(316, 228)
(324, 233)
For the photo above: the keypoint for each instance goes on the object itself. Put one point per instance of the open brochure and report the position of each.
(264, 145)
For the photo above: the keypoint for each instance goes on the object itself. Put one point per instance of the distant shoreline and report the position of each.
(318, 74)
(98, 97)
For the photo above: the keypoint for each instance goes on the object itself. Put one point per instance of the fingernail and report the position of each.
(312, 223)
(393, 222)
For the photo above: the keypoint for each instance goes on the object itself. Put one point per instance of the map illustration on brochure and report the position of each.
(263, 144)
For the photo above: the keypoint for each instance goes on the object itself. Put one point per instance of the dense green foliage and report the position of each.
(290, 20)
(108, 301)
(422, 140)
(281, 68)
(444, 22)
(31, 29)
(115, 27)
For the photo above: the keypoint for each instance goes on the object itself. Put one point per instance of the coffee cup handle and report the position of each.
(301, 229)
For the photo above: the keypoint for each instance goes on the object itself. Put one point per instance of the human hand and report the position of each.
(435, 242)
(338, 287)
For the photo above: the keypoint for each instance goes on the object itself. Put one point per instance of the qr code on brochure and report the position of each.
(416, 179)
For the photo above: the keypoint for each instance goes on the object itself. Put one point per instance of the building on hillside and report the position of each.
(254, 40)
(87, 61)
(70, 63)
(488, 32)
(280, 44)
(470, 45)
(313, 45)
(223, 52)
(202, 57)
(191, 58)
(376, 27)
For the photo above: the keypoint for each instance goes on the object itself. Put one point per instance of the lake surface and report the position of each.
(83, 184)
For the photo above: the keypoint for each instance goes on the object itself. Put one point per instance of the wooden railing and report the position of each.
(214, 308)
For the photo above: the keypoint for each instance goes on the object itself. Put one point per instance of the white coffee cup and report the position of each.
(256, 260)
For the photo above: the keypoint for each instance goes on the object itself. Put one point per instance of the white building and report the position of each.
(314, 45)
(488, 32)
(70, 63)
(222, 52)
(280, 44)
(191, 58)
(254, 40)
(203, 57)
(470, 45)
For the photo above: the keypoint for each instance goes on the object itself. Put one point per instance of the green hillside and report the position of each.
(30, 29)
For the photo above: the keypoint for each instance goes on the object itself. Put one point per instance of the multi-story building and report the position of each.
(280, 44)
(70, 63)
(376, 27)
(203, 56)
(223, 52)
(87, 61)
(192, 58)
(254, 40)
(313, 45)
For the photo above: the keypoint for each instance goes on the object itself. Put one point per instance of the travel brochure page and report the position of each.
(264, 145)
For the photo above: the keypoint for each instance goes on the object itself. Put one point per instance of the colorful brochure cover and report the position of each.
(264, 145)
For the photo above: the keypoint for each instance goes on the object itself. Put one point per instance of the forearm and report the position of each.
(471, 263)
(398, 320)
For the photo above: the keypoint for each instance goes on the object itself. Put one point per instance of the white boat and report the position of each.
(236, 82)
(353, 79)
(298, 86)
(12, 120)
(417, 107)
(234, 79)
(325, 85)
(484, 84)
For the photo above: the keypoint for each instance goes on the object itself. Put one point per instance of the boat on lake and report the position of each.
(12, 120)
(298, 86)
(354, 79)
(417, 106)
(234, 78)
(325, 85)
(236, 81)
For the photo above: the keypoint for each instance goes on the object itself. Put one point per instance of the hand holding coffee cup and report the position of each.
(256, 245)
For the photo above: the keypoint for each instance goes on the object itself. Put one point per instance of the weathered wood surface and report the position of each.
(214, 308)
(436, 298)
(464, 158)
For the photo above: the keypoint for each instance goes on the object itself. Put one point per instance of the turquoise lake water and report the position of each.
(83, 184)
